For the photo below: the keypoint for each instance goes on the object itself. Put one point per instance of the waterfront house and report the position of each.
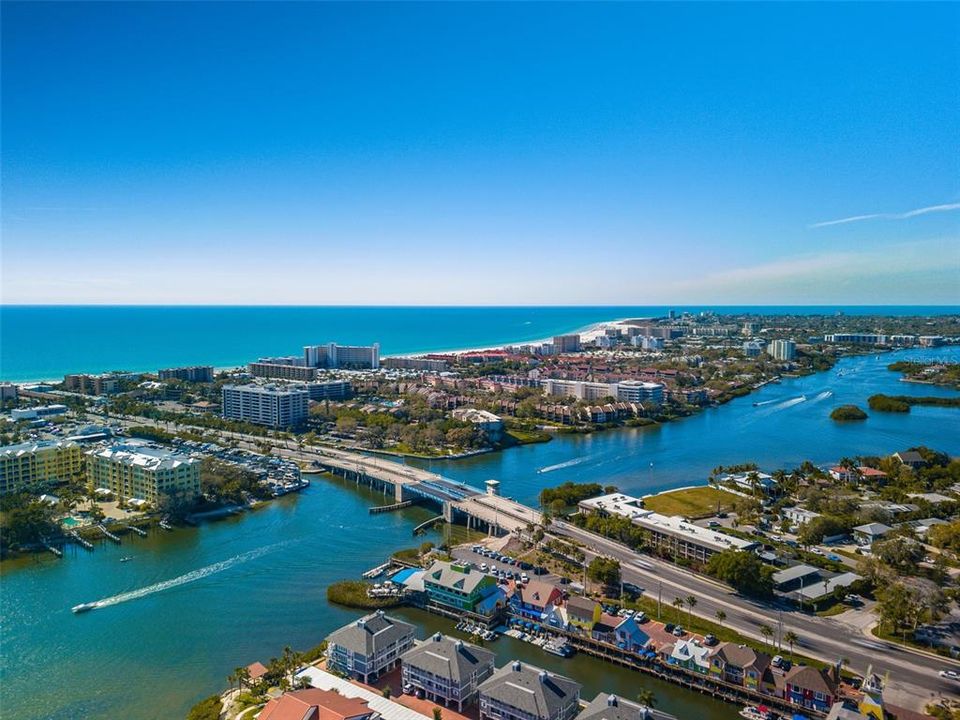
(810, 688)
(583, 613)
(457, 585)
(369, 646)
(520, 691)
(447, 670)
(537, 600)
(316, 704)
(613, 707)
(911, 458)
(628, 635)
(689, 654)
(741, 665)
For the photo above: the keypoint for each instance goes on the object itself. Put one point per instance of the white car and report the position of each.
(949, 674)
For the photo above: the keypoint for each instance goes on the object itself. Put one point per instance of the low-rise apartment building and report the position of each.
(447, 670)
(370, 646)
(31, 465)
(271, 405)
(491, 424)
(458, 585)
(142, 473)
(277, 371)
(524, 692)
(613, 707)
(671, 533)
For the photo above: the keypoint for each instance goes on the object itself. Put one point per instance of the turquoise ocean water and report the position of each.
(46, 342)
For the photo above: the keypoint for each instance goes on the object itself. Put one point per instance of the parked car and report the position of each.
(669, 627)
(408, 688)
(678, 631)
(710, 640)
(834, 557)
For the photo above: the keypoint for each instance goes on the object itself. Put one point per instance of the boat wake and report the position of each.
(784, 404)
(189, 577)
(765, 402)
(821, 396)
(561, 466)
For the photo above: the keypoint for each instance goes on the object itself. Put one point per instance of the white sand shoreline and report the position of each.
(587, 333)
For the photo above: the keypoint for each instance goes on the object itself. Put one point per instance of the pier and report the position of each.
(85, 544)
(138, 531)
(109, 535)
(427, 524)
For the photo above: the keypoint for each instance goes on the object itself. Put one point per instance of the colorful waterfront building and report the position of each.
(458, 585)
(742, 665)
(810, 688)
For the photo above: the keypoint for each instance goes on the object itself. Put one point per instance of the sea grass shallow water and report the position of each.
(48, 341)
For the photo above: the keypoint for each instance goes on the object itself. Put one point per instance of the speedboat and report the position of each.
(83, 607)
(126, 558)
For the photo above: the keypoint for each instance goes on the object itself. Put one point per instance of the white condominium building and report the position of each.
(782, 349)
(332, 355)
(266, 404)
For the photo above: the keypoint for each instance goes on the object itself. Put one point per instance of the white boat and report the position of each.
(127, 558)
(83, 607)
(754, 712)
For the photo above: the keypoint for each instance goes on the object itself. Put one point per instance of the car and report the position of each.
(419, 694)
(669, 627)
(777, 661)
(564, 581)
(713, 523)
(408, 688)
(710, 640)
(723, 515)
(641, 617)
(476, 548)
(816, 551)
(483, 567)
(834, 557)
(949, 675)
(524, 577)
(678, 631)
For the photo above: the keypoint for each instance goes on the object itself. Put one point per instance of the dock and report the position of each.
(390, 508)
(85, 544)
(109, 535)
(377, 571)
(427, 524)
(138, 531)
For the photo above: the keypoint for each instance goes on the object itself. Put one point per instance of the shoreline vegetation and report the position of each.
(903, 403)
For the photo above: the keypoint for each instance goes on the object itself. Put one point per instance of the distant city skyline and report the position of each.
(472, 154)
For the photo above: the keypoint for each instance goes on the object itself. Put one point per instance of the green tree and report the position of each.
(767, 632)
(742, 570)
(605, 571)
(721, 616)
(691, 602)
(437, 714)
(790, 637)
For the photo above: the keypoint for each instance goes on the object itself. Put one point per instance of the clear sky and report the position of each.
(480, 154)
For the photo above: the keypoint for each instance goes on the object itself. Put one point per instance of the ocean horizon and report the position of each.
(45, 342)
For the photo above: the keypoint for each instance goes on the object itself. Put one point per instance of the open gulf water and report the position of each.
(197, 602)
(44, 342)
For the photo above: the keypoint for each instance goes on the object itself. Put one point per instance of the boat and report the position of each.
(83, 607)
(165, 525)
(126, 558)
(758, 712)
(561, 649)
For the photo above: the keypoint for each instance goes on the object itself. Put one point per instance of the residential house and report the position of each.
(741, 665)
(583, 613)
(629, 636)
(910, 458)
(447, 669)
(369, 646)
(867, 534)
(316, 704)
(798, 516)
(458, 585)
(537, 600)
(689, 654)
(614, 707)
(810, 688)
(524, 692)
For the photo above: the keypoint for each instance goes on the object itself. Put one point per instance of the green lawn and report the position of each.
(698, 502)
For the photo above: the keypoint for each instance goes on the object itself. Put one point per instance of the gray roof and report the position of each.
(794, 573)
(455, 576)
(825, 587)
(874, 528)
(530, 689)
(613, 707)
(370, 633)
(449, 658)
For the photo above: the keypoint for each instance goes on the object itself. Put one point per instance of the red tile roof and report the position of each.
(314, 704)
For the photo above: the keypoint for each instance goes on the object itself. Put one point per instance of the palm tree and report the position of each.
(647, 698)
(678, 603)
(720, 615)
(791, 637)
(767, 632)
(231, 679)
(691, 604)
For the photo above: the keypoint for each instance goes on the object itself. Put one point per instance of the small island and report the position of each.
(902, 403)
(847, 412)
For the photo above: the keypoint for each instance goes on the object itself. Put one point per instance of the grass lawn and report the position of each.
(698, 502)
(525, 436)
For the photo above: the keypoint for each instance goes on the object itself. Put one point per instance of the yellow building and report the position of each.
(28, 466)
(134, 472)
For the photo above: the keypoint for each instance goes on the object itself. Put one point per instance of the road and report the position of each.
(912, 675)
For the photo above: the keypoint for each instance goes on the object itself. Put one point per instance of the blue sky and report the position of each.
(480, 154)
